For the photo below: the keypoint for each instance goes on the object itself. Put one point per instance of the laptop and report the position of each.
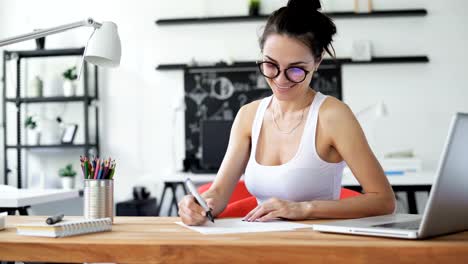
(447, 207)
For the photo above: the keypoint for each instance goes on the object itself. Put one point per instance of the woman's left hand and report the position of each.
(276, 208)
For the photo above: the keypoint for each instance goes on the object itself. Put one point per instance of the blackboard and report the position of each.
(218, 93)
(327, 79)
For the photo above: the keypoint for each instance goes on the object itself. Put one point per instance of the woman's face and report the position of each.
(288, 53)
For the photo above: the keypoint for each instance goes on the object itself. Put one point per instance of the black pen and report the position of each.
(54, 219)
(199, 199)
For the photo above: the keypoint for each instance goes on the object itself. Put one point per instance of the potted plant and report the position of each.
(68, 177)
(34, 134)
(69, 82)
(254, 7)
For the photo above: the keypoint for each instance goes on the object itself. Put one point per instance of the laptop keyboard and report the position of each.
(410, 225)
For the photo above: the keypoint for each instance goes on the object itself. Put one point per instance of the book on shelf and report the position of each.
(395, 167)
(401, 166)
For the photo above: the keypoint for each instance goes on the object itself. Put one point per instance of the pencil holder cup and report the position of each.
(99, 199)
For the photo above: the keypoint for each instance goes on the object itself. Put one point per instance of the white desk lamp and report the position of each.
(372, 113)
(367, 118)
(103, 48)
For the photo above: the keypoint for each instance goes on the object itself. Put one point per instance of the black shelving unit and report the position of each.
(343, 61)
(86, 99)
(228, 19)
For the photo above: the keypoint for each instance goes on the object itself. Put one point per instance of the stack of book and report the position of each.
(401, 166)
(395, 167)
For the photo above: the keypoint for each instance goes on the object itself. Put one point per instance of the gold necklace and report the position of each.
(294, 128)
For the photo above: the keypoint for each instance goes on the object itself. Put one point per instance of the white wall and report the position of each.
(137, 100)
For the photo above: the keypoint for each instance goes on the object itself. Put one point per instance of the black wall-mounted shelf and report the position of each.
(344, 61)
(388, 60)
(51, 99)
(44, 53)
(51, 146)
(227, 19)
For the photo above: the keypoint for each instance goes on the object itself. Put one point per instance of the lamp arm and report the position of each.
(365, 111)
(45, 32)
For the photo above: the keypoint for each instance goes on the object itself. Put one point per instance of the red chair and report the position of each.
(242, 202)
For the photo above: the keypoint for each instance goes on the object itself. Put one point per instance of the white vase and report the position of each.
(68, 183)
(69, 88)
(36, 87)
(34, 137)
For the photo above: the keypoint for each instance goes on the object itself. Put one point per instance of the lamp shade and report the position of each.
(381, 109)
(104, 47)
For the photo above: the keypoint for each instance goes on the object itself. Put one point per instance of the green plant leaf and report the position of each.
(67, 171)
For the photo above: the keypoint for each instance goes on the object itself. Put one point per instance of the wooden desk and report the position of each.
(159, 240)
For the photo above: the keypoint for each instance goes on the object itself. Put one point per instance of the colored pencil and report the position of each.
(97, 169)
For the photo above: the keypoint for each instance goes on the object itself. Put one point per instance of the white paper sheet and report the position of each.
(236, 225)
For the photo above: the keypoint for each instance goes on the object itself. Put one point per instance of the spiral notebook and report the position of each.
(65, 228)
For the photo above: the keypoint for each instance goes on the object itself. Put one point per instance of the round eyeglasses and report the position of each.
(272, 70)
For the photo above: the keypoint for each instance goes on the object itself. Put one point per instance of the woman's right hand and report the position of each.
(191, 212)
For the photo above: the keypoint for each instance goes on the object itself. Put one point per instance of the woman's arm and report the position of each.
(342, 130)
(234, 161)
(231, 169)
(347, 137)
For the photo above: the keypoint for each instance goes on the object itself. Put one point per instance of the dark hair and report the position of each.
(301, 19)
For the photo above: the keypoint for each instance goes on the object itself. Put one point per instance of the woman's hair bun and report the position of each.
(304, 5)
(302, 19)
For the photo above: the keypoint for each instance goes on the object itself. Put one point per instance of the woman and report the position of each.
(292, 147)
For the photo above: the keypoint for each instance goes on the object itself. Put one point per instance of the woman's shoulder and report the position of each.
(246, 114)
(250, 109)
(333, 112)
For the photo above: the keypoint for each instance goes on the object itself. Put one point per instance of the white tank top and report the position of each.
(305, 177)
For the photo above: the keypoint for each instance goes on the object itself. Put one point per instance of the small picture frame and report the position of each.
(68, 134)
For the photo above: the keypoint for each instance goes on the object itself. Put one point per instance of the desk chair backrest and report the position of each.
(242, 202)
